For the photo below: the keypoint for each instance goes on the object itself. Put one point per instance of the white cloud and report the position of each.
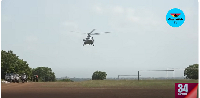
(118, 9)
(31, 39)
(131, 15)
(133, 19)
(31, 47)
(130, 10)
(6, 18)
(31, 42)
(70, 25)
(99, 9)
(125, 18)
(118, 12)
(72, 29)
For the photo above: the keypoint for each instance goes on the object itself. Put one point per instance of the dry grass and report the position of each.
(142, 84)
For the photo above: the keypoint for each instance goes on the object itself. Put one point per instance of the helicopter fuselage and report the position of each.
(88, 41)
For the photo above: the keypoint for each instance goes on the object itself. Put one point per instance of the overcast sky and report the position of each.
(39, 31)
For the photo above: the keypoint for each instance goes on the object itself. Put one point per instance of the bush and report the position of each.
(191, 72)
(98, 75)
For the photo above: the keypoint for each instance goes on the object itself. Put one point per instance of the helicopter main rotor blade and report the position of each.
(107, 32)
(95, 34)
(92, 31)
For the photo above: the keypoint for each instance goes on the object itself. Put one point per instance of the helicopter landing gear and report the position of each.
(83, 44)
(93, 44)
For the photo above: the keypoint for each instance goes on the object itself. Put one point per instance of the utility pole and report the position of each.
(138, 75)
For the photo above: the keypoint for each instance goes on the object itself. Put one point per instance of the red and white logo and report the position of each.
(186, 90)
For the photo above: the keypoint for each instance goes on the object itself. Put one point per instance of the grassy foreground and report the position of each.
(142, 84)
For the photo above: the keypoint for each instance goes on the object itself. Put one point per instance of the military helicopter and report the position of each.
(90, 40)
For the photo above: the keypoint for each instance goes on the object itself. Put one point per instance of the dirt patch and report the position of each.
(37, 90)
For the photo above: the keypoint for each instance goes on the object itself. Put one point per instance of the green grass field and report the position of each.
(142, 84)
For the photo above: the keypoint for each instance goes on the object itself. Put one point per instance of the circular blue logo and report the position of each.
(175, 17)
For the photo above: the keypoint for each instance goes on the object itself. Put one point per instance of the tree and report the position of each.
(10, 63)
(191, 72)
(44, 73)
(98, 75)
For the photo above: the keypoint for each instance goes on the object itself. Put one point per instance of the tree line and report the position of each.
(11, 63)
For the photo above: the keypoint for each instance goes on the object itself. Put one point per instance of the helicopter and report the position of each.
(89, 39)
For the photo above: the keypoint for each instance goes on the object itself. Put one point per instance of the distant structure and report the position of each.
(128, 75)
